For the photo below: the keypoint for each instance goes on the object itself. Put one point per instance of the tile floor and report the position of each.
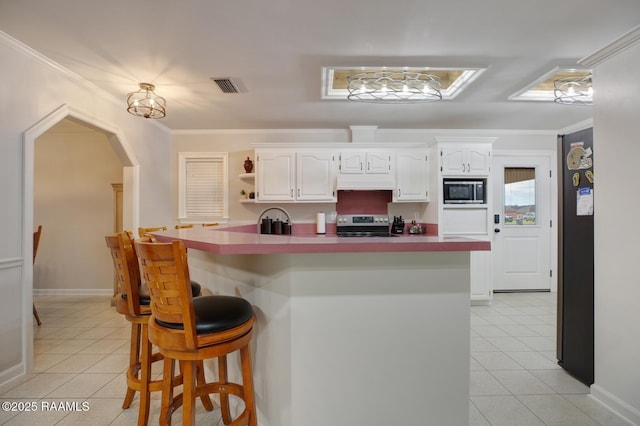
(515, 378)
(81, 353)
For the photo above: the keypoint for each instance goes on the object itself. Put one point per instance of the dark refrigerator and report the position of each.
(575, 251)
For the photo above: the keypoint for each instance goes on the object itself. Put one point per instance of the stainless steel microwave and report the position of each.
(465, 191)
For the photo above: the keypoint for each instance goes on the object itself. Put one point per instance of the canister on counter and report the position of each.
(265, 225)
(286, 228)
(276, 227)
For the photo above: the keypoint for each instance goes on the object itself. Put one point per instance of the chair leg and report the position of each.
(188, 393)
(247, 384)
(168, 372)
(35, 314)
(201, 380)
(145, 377)
(224, 397)
(134, 362)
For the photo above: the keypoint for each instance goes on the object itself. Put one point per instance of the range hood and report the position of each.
(364, 182)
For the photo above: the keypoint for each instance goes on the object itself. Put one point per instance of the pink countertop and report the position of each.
(244, 240)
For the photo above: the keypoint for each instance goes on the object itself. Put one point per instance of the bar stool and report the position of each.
(143, 231)
(36, 243)
(191, 330)
(134, 304)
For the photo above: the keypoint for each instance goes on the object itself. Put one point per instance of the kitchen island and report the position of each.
(350, 331)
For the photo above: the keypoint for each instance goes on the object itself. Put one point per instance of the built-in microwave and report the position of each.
(464, 191)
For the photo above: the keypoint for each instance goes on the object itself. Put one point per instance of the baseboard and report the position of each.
(12, 374)
(73, 291)
(616, 405)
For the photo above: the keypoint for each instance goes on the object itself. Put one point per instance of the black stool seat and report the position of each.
(145, 299)
(216, 313)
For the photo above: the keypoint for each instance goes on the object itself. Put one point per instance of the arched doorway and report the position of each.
(130, 196)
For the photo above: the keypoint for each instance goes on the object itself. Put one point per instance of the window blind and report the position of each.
(205, 192)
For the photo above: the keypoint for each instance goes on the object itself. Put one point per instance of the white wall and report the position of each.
(74, 202)
(32, 88)
(239, 144)
(617, 282)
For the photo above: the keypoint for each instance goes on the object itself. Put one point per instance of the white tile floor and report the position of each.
(515, 378)
(81, 353)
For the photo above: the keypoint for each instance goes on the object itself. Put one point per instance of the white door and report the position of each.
(522, 223)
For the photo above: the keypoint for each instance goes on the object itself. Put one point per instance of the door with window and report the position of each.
(522, 223)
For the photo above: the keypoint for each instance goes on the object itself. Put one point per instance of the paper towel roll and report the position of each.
(321, 226)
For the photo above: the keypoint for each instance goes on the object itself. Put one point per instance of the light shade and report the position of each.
(393, 87)
(573, 90)
(145, 103)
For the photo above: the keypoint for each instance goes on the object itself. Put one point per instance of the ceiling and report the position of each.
(275, 50)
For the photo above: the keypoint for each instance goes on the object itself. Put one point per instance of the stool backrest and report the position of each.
(125, 263)
(142, 231)
(184, 226)
(165, 270)
(36, 241)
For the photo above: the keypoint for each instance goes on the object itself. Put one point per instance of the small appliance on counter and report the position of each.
(397, 227)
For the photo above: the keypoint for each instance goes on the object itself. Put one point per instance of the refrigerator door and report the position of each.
(575, 285)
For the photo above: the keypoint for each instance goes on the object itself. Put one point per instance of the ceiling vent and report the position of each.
(226, 85)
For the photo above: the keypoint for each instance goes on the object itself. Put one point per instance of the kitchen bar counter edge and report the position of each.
(244, 239)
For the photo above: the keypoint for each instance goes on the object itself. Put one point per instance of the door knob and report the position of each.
(496, 230)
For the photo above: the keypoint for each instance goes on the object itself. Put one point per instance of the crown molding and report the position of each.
(612, 49)
(22, 48)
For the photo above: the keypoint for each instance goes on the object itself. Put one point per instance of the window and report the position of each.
(203, 186)
(520, 196)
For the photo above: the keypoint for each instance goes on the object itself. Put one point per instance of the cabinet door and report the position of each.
(411, 177)
(316, 177)
(453, 160)
(466, 160)
(378, 162)
(481, 288)
(275, 176)
(352, 162)
(479, 160)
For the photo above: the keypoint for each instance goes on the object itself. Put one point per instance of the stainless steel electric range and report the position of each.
(362, 225)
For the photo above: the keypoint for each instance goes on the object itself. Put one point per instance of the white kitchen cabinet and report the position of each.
(365, 162)
(275, 175)
(465, 159)
(289, 175)
(315, 176)
(481, 287)
(412, 172)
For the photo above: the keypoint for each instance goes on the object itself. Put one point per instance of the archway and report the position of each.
(130, 197)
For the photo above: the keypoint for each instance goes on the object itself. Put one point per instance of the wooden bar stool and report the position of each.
(133, 302)
(36, 243)
(191, 330)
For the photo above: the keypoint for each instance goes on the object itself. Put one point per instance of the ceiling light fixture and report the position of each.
(393, 87)
(573, 90)
(145, 103)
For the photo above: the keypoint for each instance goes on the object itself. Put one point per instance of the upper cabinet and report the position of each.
(275, 178)
(365, 162)
(315, 176)
(286, 175)
(412, 171)
(460, 159)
